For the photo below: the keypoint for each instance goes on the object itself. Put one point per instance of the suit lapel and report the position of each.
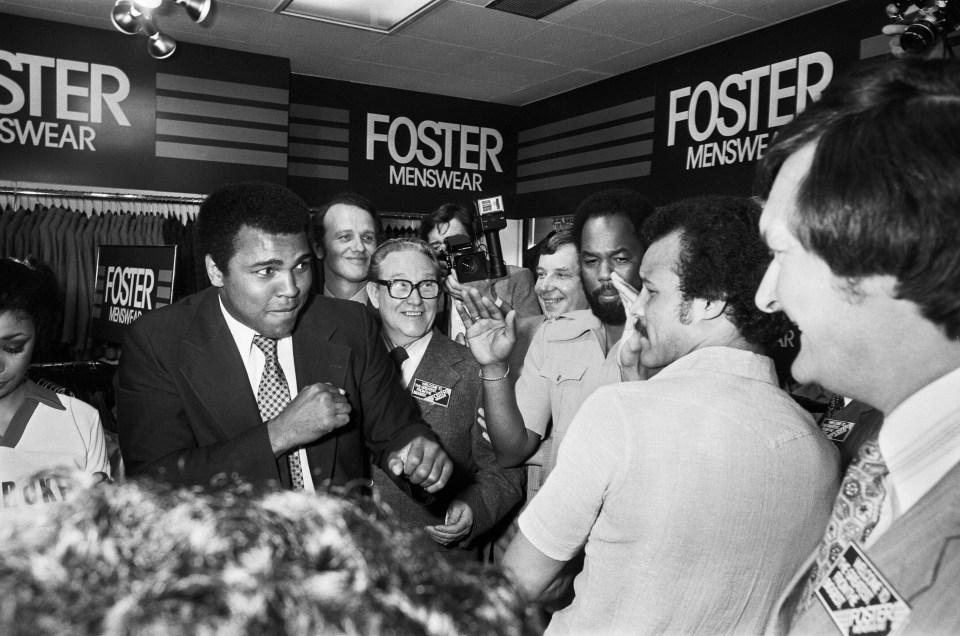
(909, 552)
(438, 366)
(212, 366)
(318, 360)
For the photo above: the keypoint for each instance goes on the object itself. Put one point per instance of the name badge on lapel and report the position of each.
(432, 393)
(836, 430)
(857, 597)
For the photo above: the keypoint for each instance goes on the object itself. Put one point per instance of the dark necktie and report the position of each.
(834, 406)
(856, 511)
(273, 396)
(398, 355)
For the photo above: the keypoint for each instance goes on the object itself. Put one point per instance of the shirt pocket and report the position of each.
(559, 371)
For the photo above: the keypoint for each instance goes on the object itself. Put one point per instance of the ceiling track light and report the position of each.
(133, 16)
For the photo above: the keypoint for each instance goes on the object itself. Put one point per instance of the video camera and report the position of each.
(932, 19)
(469, 262)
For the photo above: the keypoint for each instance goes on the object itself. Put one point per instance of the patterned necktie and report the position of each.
(835, 405)
(398, 355)
(856, 511)
(273, 396)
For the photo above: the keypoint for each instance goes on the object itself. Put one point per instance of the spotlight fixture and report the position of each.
(126, 17)
(133, 16)
(196, 9)
(159, 46)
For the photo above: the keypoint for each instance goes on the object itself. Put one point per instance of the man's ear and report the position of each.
(317, 249)
(373, 293)
(213, 272)
(710, 309)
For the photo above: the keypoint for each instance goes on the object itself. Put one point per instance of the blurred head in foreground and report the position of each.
(141, 558)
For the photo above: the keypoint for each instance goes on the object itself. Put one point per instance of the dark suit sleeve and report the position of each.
(495, 490)
(160, 438)
(390, 418)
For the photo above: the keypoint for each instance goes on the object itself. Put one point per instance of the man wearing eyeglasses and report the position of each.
(404, 286)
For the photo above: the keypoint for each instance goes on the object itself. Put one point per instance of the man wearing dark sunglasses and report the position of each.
(404, 286)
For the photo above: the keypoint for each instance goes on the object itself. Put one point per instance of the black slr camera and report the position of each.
(933, 19)
(464, 258)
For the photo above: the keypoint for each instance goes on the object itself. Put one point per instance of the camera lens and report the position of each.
(917, 37)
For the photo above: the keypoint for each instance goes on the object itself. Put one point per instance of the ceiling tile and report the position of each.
(622, 63)
(225, 22)
(699, 38)
(268, 5)
(568, 47)
(311, 37)
(644, 22)
(489, 30)
(512, 71)
(562, 84)
(570, 10)
(424, 55)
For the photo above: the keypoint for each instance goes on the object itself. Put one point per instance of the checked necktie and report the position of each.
(856, 511)
(273, 396)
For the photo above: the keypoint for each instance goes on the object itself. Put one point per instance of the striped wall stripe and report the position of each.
(318, 171)
(177, 128)
(630, 109)
(593, 157)
(214, 88)
(172, 150)
(320, 113)
(202, 108)
(631, 129)
(320, 133)
(627, 171)
(590, 148)
(228, 122)
(327, 153)
(319, 142)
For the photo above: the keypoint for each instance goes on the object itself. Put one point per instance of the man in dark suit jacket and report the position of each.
(190, 375)
(442, 375)
(866, 260)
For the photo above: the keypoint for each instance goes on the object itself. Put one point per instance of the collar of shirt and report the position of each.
(360, 297)
(253, 358)
(920, 440)
(415, 351)
(43, 395)
(738, 362)
(574, 324)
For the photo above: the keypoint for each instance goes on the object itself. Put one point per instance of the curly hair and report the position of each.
(30, 289)
(722, 258)
(142, 557)
(617, 202)
(264, 206)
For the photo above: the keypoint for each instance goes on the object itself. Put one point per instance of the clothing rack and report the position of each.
(182, 206)
(402, 216)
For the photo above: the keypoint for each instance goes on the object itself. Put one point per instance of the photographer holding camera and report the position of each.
(451, 230)
(920, 29)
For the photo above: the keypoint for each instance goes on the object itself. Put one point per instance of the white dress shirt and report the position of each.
(254, 362)
(415, 351)
(920, 443)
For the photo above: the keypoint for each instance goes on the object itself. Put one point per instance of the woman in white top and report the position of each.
(39, 430)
